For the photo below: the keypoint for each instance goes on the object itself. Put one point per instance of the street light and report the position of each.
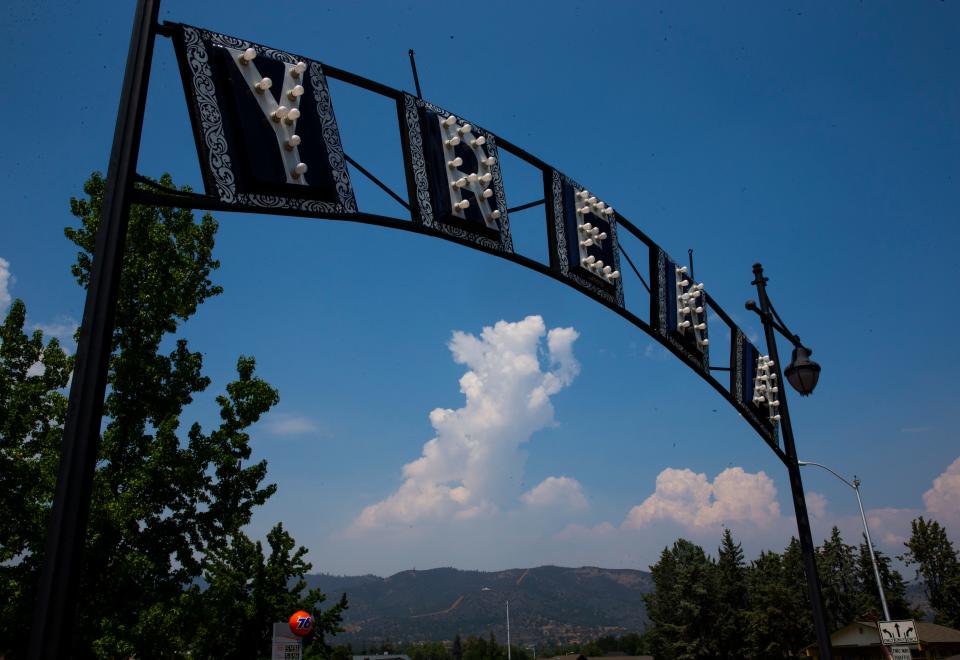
(866, 530)
(803, 374)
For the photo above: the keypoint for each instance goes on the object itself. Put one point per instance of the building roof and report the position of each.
(865, 633)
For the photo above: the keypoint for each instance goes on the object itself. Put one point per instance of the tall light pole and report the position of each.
(855, 485)
(802, 374)
(508, 630)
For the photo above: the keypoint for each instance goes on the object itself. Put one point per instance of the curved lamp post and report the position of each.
(855, 485)
(802, 373)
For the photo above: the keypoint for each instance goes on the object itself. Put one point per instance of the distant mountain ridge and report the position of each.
(547, 604)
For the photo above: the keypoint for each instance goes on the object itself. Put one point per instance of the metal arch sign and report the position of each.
(267, 138)
(268, 142)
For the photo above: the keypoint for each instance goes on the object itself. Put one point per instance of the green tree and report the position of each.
(931, 551)
(166, 506)
(839, 580)
(731, 604)
(868, 603)
(32, 410)
(682, 605)
(778, 620)
(250, 591)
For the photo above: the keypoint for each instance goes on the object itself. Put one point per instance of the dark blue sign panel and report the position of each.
(582, 231)
(453, 176)
(678, 308)
(264, 125)
(753, 385)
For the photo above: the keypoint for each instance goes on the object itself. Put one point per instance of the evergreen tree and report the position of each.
(868, 603)
(931, 551)
(839, 580)
(779, 620)
(731, 605)
(683, 603)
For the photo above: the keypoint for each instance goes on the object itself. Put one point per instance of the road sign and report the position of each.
(900, 652)
(898, 632)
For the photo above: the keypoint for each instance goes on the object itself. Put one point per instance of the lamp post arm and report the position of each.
(873, 557)
(820, 465)
(775, 323)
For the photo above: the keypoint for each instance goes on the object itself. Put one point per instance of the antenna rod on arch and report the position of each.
(416, 78)
(690, 257)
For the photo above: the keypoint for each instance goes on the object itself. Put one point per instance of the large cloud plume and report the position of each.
(473, 467)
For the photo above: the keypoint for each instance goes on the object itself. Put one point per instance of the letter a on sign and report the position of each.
(264, 125)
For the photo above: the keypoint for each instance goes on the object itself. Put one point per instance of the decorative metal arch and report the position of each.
(253, 160)
(676, 318)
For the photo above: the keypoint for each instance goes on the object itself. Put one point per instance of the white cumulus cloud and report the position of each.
(693, 501)
(472, 468)
(556, 492)
(5, 280)
(943, 499)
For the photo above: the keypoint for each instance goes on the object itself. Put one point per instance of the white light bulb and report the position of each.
(479, 142)
(487, 194)
(299, 170)
(292, 116)
(279, 113)
(592, 200)
(452, 142)
(685, 324)
(463, 130)
(495, 215)
(489, 162)
(599, 264)
(586, 226)
(449, 121)
(683, 282)
(701, 326)
(704, 342)
(472, 177)
(603, 236)
(608, 211)
(264, 85)
(587, 243)
(615, 274)
(247, 56)
(460, 183)
(298, 69)
(462, 204)
(485, 179)
(293, 141)
(607, 270)
(681, 270)
(295, 93)
(456, 162)
(590, 259)
(699, 310)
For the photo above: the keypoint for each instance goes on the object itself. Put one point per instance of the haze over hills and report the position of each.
(547, 604)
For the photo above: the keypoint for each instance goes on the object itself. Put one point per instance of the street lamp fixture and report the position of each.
(802, 373)
(866, 530)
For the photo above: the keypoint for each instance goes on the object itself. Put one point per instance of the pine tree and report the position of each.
(731, 605)
(682, 606)
(839, 580)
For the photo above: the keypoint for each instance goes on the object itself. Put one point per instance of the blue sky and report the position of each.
(818, 138)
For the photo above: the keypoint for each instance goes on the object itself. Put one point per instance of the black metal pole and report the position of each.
(793, 469)
(51, 635)
(416, 78)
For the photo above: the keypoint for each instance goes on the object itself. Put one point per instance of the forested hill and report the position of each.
(547, 604)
